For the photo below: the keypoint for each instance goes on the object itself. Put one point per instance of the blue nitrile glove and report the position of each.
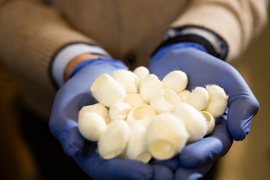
(203, 69)
(70, 98)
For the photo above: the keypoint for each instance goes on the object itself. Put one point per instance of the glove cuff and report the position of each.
(80, 65)
(192, 37)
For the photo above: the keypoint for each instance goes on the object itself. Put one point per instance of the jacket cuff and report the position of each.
(66, 54)
(212, 42)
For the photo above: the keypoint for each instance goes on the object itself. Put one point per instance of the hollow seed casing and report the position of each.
(165, 101)
(107, 90)
(166, 136)
(210, 121)
(176, 81)
(119, 111)
(150, 87)
(97, 108)
(114, 139)
(141, 115)
(141, 72)
(218, 100)
(183, 95)
(195, 122)
(198, 98)
(134, 100)
(91, 125)
(136, 148)
(127, 79)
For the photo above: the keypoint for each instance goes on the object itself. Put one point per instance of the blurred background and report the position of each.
(250, 159)
(28, 151)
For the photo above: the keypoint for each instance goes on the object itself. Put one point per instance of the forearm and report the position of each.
(237, 22)
(31, 33)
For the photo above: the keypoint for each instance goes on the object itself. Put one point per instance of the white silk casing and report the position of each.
(195, 122)
(91, 125)
(134, 100)
(141, 72)
(119, 111)
(198, 98)
(127, 79)
(141, 115)
(136, 148)
(107, 90)
(165, 101)
(114, 139)
(150, 87)
(210, 121)
(166, 136)
(176, 81)
(218, 100)
(97, 108)
(183, 95)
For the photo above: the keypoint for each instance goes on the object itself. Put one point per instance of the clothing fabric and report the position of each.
(33, 31)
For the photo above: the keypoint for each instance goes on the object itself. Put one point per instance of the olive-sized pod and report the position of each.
(141, 115)
(218, 100)
(176, 81)
(195, 122)
(150, 87)
(210, 121)
(134, 100)
(107, 90)
(165, 101)
(127, 79)
(114, 139)
(166, 136)
(119, 111)
(136, 148)
(91, 125)
(183, 95)
(141, 72)
(97, 108)
(198, 98)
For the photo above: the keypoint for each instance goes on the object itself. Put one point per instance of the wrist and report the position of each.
(97, 62)
(181, 45)
(66, 54)
(72, 64)
(212, 42)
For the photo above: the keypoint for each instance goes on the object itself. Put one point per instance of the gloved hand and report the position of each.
(70, 98)
(203, 69)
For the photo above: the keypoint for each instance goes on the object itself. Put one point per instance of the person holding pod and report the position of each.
(58, 48)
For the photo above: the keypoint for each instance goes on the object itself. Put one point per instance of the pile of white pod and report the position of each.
(139, 117)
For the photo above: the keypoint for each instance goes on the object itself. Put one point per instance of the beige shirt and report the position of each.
(32, 31)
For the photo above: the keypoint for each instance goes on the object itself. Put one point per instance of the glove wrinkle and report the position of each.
(172, 163)
(162, 173)
(71, 140)
(192, 173)
(207, 149)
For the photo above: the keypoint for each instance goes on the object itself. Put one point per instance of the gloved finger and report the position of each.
(209, 148)
(162, 173)
(113, 169)
(172, 163)
(71, 140)
(192, 173)
(241, 111)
